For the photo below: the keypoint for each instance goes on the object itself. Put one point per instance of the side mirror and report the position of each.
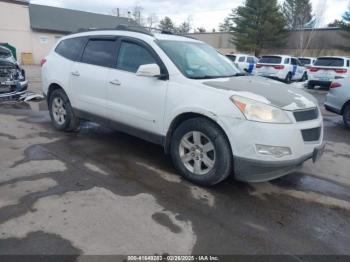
(150, 70)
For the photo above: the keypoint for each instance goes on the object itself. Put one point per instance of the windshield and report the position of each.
(198, 60)
(305, 61)
(231, 57)
(270, 60)
(329, 61)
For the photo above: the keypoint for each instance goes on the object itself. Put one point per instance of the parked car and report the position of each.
(182, 94)
(281, 67)
(327, 69)
(308, 62)
(244, 62)
(338, 99)
(12, 76)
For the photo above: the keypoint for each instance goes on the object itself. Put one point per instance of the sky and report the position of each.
(203, 13)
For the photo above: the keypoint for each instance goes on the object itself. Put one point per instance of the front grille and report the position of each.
(311, 135)
(306, 115)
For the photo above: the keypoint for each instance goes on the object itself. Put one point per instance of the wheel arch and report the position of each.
(53, 87)
(344, 106)
(176, 122)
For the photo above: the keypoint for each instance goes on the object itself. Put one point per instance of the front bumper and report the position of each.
(255, 171)
(16, 89)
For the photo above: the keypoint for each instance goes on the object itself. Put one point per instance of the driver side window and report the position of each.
(131, 56)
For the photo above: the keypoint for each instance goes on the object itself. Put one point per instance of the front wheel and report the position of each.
(346, 116)
(201, 152)
(61, 112)
(288, 79)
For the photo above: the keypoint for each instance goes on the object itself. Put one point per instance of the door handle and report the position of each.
(115, 82)
(75, 73)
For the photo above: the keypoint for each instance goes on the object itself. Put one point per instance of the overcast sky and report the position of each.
(204, 13)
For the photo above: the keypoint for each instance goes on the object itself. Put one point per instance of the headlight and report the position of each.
(260, 112)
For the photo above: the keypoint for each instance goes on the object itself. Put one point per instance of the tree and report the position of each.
(298, 13)
(152, 20)
(259, 24)
(336, 23)
(345, 26)
(201, 30)
(137, 14)
(226, 26)
(166, 24)
(184, 28)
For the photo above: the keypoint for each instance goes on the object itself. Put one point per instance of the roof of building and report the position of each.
(18, 2)
(48, 18)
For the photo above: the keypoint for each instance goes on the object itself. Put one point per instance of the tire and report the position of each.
(304, 78)
(288, 78)
(346, 116)
(213, 152)
(310, 85)
(61, 112)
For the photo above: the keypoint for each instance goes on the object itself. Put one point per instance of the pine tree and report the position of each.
(345, 26)
(226, 26)
(298, 13)
(167, 24)
(259, 24)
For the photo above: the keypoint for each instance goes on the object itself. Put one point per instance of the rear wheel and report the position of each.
(288, 79)
(61, 112)
(201, 152)
(310, 85)
(304, 78)
(346, 116)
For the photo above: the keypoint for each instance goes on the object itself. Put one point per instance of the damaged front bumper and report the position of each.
(13, 89)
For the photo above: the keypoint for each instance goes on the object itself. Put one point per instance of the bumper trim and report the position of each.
(255, 171)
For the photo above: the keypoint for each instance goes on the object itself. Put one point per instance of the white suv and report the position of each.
(244, 62)
(184, 95)
(282, 67)
(327, 69)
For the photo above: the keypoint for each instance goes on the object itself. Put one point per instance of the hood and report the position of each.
(266, 91)
(6, 63)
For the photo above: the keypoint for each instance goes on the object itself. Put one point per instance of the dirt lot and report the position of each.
(101, 192)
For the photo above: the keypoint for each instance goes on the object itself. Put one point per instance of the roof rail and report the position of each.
(136, 29)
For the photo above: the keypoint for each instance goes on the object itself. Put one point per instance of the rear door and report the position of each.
(89, 75)
(297, 69)
(136, 101)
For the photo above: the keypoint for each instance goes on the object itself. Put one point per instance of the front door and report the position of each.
(136, 101)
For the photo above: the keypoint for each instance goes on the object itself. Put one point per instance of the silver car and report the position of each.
(338, 99)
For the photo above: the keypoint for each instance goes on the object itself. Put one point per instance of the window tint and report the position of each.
(271, 60)
(100, 53)
(286, 61)
(294, 61)
(251, 60)
(132, 56)
(71, 48)
(348, 63)
(329, 61)
(232, 58)
(241, 59)
(305, 61)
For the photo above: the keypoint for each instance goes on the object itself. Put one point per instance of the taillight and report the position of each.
(258, 66)
(43, 61)
(279, 67)
(314, 69)
(341, 71)
(335, 85)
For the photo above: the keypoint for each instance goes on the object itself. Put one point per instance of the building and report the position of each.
(308, 42)
(34, 29)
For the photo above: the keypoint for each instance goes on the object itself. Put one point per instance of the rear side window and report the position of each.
(294, 61)
(132, 56)
(100, 53)
(251, 60)
(241, 59)
(271, 60)
(329, 61)
(71, 48)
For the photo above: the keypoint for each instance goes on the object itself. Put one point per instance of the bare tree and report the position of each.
(152, 20)
(137, 14)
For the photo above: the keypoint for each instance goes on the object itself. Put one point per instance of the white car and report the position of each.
(244, 62)
(308, 62)
(182, 94)
(327, 69)
(285, 68)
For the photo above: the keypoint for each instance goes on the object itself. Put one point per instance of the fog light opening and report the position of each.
(275, 151)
